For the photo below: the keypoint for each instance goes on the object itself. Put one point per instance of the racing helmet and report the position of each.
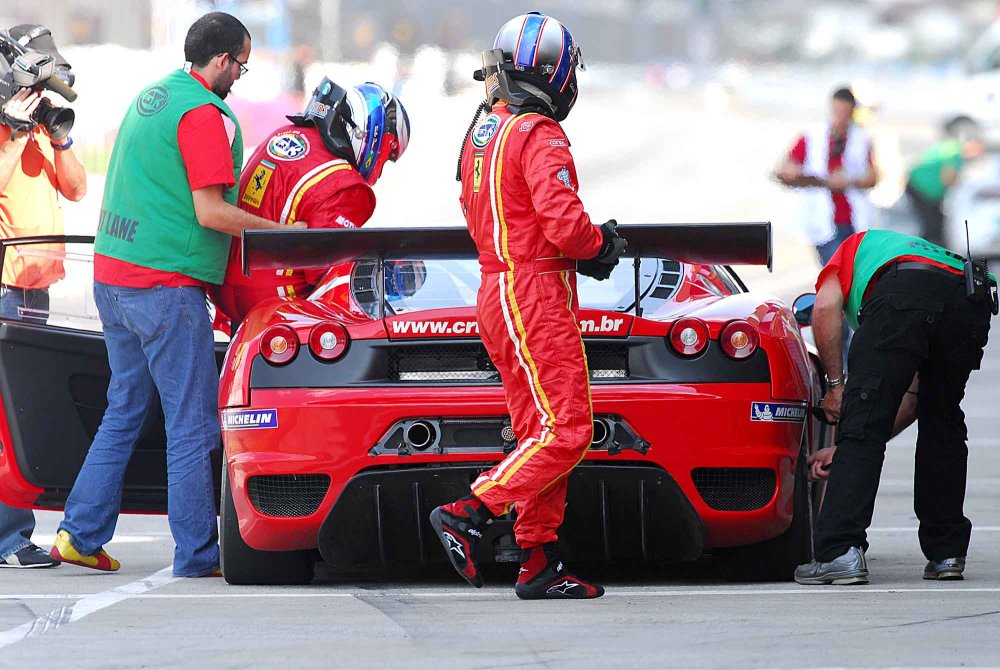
(533, 65)
(365, 125)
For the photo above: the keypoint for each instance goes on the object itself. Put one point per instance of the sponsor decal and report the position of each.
(454, 545)
(249, 418)
(558, 143)
(485, 131)
(344, 222)
(477, 171)
(492, 83)
(563, 176)
(401, 327)
(562, 588)
(288, 146)
(777, 412)
(253, 195)
(319, 109)
(526, 126)
(152, 101)
(606, 326)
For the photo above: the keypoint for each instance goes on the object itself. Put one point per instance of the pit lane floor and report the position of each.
(688, 617)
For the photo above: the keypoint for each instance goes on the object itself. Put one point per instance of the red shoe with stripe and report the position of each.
(460, 526)
(543, 576)
(64, 551)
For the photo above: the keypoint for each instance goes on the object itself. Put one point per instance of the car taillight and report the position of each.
(689, 336)
(328, 340)
(279, 344)
(739, 339)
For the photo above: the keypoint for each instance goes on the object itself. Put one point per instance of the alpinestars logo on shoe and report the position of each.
(563, 588)
(454, 545)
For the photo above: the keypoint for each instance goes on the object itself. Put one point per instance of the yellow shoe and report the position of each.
(64, 551)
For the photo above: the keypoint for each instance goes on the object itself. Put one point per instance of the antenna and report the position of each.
(969, 268)
(968, 249)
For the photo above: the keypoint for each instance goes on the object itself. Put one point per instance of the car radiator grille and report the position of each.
(470, 362)
(287, 495)
(735, 489)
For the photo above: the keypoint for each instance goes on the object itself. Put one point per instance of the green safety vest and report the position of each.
(879, 247)
(147, 217)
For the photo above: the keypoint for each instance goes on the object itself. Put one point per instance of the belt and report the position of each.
(537, 266)
(922, 267)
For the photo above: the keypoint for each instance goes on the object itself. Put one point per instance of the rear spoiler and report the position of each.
(709, 243)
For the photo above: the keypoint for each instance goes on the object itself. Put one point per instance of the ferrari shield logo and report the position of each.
(253, 195)
(477, 172)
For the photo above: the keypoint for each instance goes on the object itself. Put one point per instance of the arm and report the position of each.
(19, 107)
(70, 175)
(551, 176)
(829, 336)
(214, 212)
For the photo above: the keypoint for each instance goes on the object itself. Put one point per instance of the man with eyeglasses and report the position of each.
(832, 167)
(168, 217)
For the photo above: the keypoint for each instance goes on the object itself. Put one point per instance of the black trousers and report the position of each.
(913, 321)
(930, 214)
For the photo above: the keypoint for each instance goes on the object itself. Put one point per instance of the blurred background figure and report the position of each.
(832, 167)
(930, 179)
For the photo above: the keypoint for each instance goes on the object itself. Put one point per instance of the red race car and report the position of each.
(348, 415)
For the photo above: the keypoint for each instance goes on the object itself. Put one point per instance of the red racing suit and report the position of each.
(519, 196)
(291, 177)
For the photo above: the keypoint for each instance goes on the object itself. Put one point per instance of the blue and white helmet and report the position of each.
(365, 125)
(533, 63)
(381, 129)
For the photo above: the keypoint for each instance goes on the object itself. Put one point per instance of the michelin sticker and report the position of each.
(777, 412)
(288, 146)
(485, 131)
(247, 419)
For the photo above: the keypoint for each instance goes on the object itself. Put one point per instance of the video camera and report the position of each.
(29, 59)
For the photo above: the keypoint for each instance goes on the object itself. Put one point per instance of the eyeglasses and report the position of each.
(243, 66)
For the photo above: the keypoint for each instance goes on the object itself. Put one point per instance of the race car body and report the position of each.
(348, 415)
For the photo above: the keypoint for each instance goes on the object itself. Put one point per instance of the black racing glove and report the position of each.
(612, 247)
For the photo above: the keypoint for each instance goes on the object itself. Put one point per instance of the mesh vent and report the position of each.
(287, 495)
(470, 362)
(735, 489)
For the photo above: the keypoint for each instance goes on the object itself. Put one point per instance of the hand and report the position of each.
(787, 174)
(831, 403)
(18, 110)
(819, 464)
(596, 269)
(612, 244)
(837, 181)
(297, 225)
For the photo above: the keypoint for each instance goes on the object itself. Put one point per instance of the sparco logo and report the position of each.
(245, 419)
(772, 411)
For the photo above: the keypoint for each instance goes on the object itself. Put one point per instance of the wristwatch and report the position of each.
(833, 383)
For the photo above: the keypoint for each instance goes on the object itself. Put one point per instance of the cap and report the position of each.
(39, 38)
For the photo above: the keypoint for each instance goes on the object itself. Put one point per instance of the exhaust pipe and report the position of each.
(601, 432)
(420, 435)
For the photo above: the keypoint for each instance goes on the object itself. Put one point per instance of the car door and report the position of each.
(54, 378)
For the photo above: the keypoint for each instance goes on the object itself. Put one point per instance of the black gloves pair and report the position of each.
(612, 246)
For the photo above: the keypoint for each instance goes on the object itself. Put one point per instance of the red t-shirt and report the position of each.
(841, 205)
(841, 264)
(205, 143)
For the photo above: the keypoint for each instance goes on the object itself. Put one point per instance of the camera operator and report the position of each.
(34, 170)
(918, 310)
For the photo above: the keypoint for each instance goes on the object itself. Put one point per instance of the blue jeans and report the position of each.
(17, 525)
(158, 339)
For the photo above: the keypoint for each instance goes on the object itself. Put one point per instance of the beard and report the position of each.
(222, 86)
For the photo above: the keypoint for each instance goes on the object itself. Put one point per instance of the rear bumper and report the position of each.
(690, 428)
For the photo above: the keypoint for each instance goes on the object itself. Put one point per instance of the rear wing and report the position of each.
(708, 243)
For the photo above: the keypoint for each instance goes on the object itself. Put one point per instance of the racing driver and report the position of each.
(519, 197)
(319, 169)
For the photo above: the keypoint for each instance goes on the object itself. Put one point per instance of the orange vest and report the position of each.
(29, 205)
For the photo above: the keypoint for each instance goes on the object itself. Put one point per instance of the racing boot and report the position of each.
(63, 550)
(460, 526)
(544, 577)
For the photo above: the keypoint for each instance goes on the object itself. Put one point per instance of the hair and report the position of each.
(213, 34)
(845, 94)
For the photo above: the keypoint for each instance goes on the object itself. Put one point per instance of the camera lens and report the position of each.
(57, 120)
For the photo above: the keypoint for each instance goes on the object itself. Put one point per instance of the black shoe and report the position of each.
(849, 568)
(945, 569)
(544, 577)
(29, 557)
(460, 526)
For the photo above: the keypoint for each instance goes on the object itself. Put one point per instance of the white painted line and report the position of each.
(913, 529)
(498, 592)
(89, 604)
(42, 539)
